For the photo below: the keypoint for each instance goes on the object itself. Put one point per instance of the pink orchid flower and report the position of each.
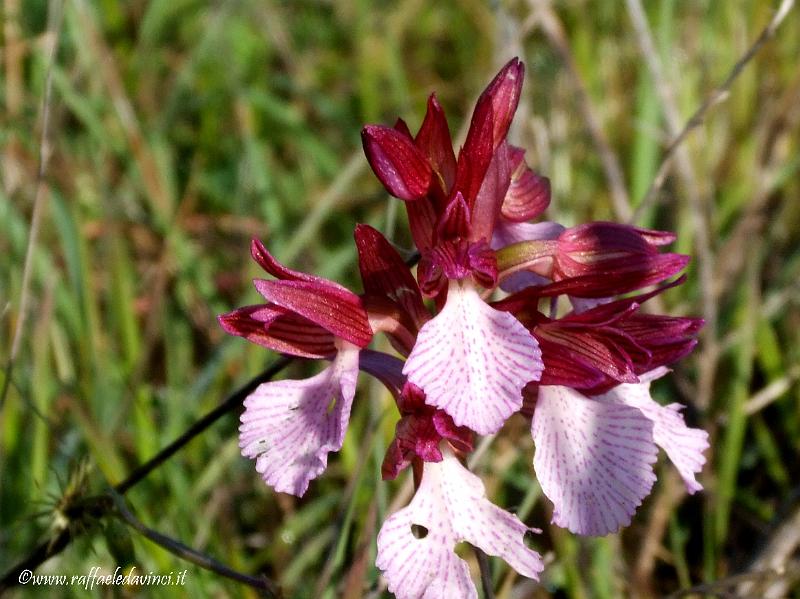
(464, 363)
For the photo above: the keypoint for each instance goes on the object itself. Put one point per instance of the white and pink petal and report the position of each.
(416, 545)
(683, 445)
(472, 361)
(593, 459)
(290, 426)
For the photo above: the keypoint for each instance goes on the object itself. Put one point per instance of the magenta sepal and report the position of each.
(667, 338)
(494, 186)
(396, 161)
(475, 156)
(307, 312)
(609, 311)
(337, 311)
(528, 194)
(271, 265)
(603, 349)
(401, 126)
(280, 330)
(664, 339)
(434, 141)
(422, 219)
(488, 128)
(504, 92)
(590, 343)
(560, 368)
(386, 275)
(601, 240)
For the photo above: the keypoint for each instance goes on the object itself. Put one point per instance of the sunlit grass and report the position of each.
(180, 130)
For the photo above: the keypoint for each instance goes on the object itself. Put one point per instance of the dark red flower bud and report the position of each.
(603, 259)
(504, 92)
(419, 432)
(488, 129)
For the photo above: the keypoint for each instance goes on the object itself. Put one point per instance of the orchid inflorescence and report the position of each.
(467, 362)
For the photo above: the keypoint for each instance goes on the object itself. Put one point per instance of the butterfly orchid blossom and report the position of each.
(466, 362)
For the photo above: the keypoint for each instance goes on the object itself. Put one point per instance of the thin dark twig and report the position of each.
(191, 555)
(234, 400)
(486, 573)
(725, 587)
(715, 97)
(40, 554)
(94, 507)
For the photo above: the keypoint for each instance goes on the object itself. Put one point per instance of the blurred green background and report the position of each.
(181, 129)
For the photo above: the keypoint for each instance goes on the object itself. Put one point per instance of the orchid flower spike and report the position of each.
(466, 359)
